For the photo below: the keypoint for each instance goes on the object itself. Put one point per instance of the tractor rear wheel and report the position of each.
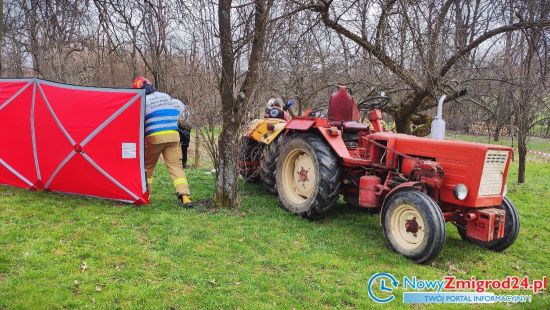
(511, 229)
(308, 176)
(413, 225)
(249, 162)
(268, 165)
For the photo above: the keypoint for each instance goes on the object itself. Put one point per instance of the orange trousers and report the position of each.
(171, 152)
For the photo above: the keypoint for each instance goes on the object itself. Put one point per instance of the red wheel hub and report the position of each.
(412, 226)
(303, 175)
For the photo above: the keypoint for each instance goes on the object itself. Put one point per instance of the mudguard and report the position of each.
(265, 130)
(335, 141)
(300, 124)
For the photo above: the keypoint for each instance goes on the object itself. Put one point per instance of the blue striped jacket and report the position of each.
(161, 114)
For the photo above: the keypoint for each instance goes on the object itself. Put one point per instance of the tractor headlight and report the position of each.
(505, 191)
(460, 191)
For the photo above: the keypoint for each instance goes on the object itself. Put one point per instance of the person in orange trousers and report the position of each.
(162, 137)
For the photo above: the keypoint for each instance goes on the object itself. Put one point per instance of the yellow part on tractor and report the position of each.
(261, 142)
(265, 130)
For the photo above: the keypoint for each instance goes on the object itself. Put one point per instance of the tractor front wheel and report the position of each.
(308, 176)
(511, 229)
(413, 225)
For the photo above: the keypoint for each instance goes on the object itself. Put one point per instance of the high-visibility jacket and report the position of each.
(161, 117)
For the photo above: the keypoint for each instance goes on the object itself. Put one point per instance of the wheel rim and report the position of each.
(299, 176)
(407, 227)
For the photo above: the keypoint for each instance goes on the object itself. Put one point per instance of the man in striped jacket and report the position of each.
(162, 137)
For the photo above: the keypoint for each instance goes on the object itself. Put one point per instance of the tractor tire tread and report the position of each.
(329, 185)
(268, 164)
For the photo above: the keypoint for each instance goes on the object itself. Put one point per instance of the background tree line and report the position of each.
(227, 58)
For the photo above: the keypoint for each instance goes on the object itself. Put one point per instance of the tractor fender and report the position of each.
(335, 141)
(267, 138)
(300, 124)
(401, 187)
(265, 130)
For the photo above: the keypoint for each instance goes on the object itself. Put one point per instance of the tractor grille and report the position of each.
(493, 173)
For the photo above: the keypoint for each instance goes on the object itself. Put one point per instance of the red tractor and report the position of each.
(416, 183)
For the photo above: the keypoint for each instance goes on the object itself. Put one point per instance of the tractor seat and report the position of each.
(355, 126)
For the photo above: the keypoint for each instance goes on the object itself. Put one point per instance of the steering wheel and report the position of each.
(317, 112)
(374, 102)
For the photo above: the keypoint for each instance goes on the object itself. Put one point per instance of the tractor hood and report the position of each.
(483, 168)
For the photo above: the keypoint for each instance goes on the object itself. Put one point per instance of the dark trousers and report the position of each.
(185, 138)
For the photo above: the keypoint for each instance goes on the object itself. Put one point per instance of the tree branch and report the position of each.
(323, 8)
(432, 45)
(383, 21)
(484, 37)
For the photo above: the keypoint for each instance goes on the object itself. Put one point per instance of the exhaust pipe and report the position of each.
(438, 124)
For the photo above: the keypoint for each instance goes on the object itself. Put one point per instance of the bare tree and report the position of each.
(234, 102)
(427, 68)
(531, 99)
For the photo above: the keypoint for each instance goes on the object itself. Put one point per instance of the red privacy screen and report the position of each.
(72, 139)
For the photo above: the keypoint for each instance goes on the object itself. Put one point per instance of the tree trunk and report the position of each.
(233, 106)
(226, 167)
(197, 149)
(157, 81)
(402, 124)
(522, 151)
(410, 105)
(35, 46)
(496, 133)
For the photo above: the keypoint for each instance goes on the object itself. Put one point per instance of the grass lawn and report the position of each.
(66, 252)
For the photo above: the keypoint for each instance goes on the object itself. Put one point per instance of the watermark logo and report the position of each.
(386, 283)
(449, 289)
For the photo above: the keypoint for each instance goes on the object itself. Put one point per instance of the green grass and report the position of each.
(254, 256)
